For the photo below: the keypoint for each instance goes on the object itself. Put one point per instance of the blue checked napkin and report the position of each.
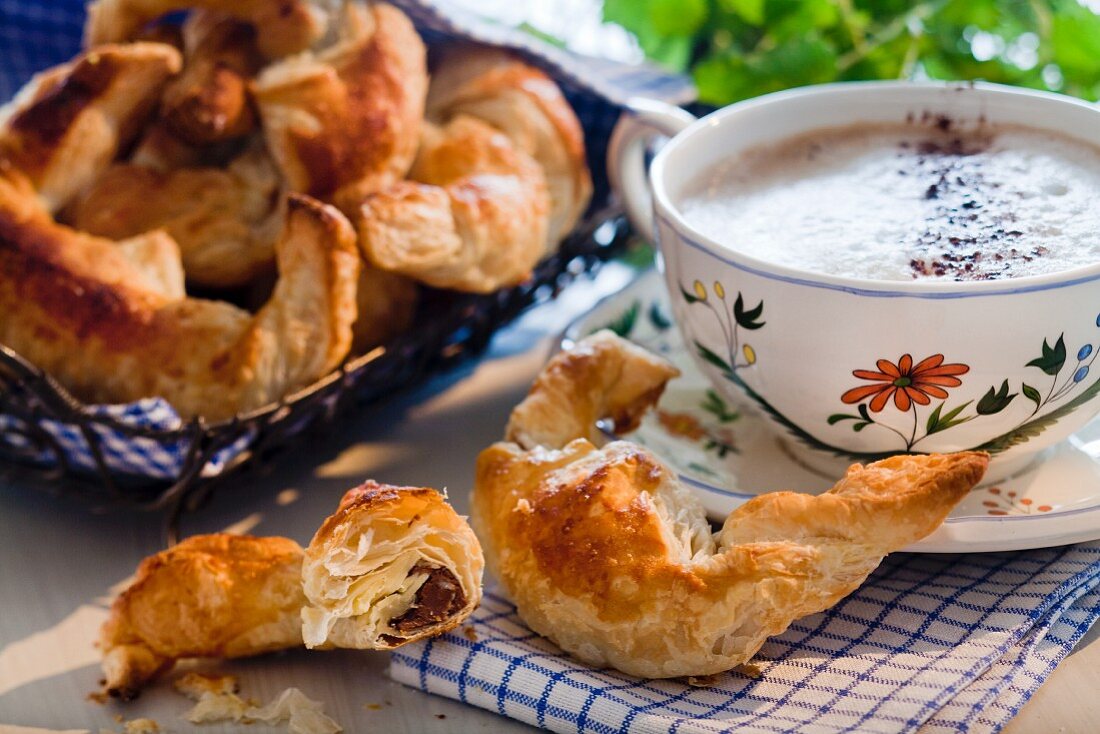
(35, 35)
(947, 643)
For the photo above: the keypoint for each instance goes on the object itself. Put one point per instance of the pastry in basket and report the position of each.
(77, 307)
(392, 565)
(225, 220)
(527, 106)
(288, 26)
(499, 179)
(605, 552)
(69, 122)
(474, 218)
(344, 121)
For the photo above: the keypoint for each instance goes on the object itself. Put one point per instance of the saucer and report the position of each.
(727, 454)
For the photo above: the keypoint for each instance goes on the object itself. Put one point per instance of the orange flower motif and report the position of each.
(906, 383)
(684, 425)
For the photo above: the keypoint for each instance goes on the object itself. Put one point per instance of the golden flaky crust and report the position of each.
(225, 220)
(606, 553)
(93, 320)
(210, 596)
(473, 217)
(287, 26)
(601, 377)
(69, 122)
(344, 121)
(392, 565)
(527, 106)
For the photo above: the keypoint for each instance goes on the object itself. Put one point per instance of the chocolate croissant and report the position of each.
(605, 552)
(392, 565)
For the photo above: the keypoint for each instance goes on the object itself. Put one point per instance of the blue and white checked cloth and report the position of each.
(929, 643)
(35, 35)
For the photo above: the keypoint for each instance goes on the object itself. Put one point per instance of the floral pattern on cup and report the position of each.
(1002, 503)
(908, 385)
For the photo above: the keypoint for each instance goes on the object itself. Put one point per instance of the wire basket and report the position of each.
(142, 455)
(33, 405)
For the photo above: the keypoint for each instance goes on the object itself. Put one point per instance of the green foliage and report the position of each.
(1053, 357)
(995, 400)
(737, 49)
(937, 422)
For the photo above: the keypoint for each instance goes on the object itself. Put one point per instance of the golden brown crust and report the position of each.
(344, 122)
(419, 576)
(209, 102)
(287, 26)
(605, 552)
(210, 596)
(527, 106)
(75, 307)
(225, 220)
(473, 219)
(601, 377)
(69, 122)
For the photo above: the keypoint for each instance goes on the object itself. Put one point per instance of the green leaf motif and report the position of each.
(860, 426)
(658, 319)
(1033, 428)
(714, 359)
(1032, 394)
(689, 296)
(838, 417)
(747, 319)
(1053, 357)
(937, 423)
(717, 407)
(864, 414)
(625, 322)
(994, 401)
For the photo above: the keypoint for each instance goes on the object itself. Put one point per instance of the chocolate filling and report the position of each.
(438, 599)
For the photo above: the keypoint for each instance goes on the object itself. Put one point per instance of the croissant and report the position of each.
(225, 220)
(392, 565)
(74, 305)
(527, 106)
(208, 102)
(286, 26)
(476, 221)
(344, 121)
(69, 122)
(605, 552)
(217, 595)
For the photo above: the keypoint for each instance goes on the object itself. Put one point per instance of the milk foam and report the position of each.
(898, 202)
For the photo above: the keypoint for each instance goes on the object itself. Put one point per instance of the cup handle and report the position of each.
(642, 121)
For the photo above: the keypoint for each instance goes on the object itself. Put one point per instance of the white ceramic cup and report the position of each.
(1018, 352)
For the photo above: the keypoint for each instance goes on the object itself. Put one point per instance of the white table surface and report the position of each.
(59, 562)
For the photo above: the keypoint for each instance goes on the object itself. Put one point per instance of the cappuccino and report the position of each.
(926, 199)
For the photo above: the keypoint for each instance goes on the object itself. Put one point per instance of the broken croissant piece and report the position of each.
(392, 565)
(218, 596)
(605, 552)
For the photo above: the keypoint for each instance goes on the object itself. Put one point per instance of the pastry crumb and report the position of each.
(750, 671)
(99, 697)
(441, 716)
(372, 706)
(193, 685)
(470, 633)
(142, 726)
(302, 714)
(702, 681)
